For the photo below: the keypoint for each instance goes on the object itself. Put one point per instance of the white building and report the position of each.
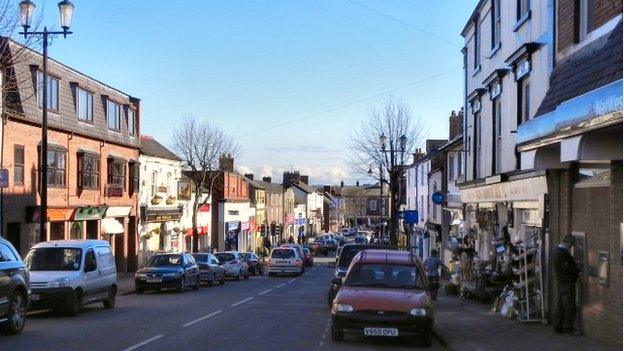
(314, 206)
(204, 217)
(159, 227)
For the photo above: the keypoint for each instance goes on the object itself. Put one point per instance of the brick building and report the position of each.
(576, 137)
(93, 156)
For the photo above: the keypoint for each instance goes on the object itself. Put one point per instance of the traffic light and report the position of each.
(263, 230)
(273, 228)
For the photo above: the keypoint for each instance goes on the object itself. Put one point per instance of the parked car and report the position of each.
(360, 239)
(285, 260)
(343, 261)
(308, 259)
(162, 271)
(69, 274)
(14, 291)
(254, 262)
(341, 240)
(331, 244)
(234, 264)
(299, 249)
(385, 293)
(210, 270)
(319, 248)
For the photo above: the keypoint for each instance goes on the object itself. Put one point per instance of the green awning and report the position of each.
(90, 213)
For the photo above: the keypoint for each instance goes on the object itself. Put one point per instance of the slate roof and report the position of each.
(593, 66)
(306, 188)
(151, 147)
(253, 183)
(271, 187)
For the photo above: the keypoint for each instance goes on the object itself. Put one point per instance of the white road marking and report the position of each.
(264, 292)
(143, 343)
(241, 302)
(279, 286)
(292, 280)
(201, 319)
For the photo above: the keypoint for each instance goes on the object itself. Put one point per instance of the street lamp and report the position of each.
(382, 141)
(66, 12)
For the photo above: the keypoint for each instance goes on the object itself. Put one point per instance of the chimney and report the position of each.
(249, 175)
(357, 183)
(226, 163)
(342, 183)
(455, 124)
(327, 189)
(304, 179)
(290, 178)
(266, 179)
(418, 155)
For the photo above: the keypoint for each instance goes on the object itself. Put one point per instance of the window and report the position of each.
(18, 165)
(373, 205)
(478, 145)
(434, 211)
(476, 49)
(116, 172)
(460, 165)
(84, 105)
(586, 19)
(169, 187)
(497, 133)
(131, 121)
(52, 90)
(6, 254)
(153, 186)
(113, 115)
(134, 177)
(90, 261)
(88, 171)
(522, 9)
(56, 167)
(496, 23)
(524, 100)
(596, 175)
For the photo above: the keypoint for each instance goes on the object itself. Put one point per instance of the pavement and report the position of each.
(469, 325)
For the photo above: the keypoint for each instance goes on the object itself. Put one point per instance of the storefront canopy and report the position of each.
(112, 226)
(90, 213)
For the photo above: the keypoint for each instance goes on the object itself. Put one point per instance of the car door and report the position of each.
(90, 276)
(214, 264)
(107, 270)
(5, 281)
(190, 269)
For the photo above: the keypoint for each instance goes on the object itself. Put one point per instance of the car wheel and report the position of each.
(181, 285)
(196, 285)
(336, 335)
(16, 316)
(74, 305)
(109, 303)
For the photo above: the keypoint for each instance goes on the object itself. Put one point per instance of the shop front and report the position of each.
(87, 222)
(232, 231)
(203, 228)
(116, 227)
(160, 230)
(59, 219)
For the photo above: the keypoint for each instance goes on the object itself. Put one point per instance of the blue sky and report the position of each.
(250, 65)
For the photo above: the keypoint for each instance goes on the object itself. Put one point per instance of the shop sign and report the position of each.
(300, 221)
(90, 213)
(53, 214)
(233, 212)
(517, 190)
(118, 211)
(232, 225)
(410, 217)
(204, 208)
(245, 226)
(184, 189)
(162, 215)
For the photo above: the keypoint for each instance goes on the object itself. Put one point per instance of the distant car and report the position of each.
(319, 248)
(341, 240)
(385, 294)
(360, 239)
(234, 264)
(164, 271)
(308, 259)
(254, 262)
(331, 244)
(210, 270)
(298, 247)
(69, 274)
(285, 260)
(14, 291)
(343, 261)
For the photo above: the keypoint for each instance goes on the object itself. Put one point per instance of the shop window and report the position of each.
(57, 230)
(76, 231)
(88, 171)
(52, 90)
(18, 165)
(56, 167)
(117, 172)
(593, 176)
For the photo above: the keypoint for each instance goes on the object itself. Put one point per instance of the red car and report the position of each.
(308, 258)
(385, 294)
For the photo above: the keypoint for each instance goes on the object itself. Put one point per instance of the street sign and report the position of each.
(4, 178)
(410, 217)
(437, 198)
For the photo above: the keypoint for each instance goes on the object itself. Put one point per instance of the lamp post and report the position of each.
(370, 171)
(66, 12)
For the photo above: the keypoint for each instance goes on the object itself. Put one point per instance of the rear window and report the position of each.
(225, 257)
(283, 253)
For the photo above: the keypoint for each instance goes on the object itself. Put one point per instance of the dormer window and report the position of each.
(113, 115)
(84, 105)
(53, 92)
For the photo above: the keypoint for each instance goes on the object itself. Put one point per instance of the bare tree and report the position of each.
(201, 144)
(384, 141)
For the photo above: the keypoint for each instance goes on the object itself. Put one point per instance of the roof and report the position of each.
(253, 183)
(271, 187)
(386, 256)
(79, 244)
(573, 77)
(353, 191)
(473, 17)
(305, 187)
(151, 147)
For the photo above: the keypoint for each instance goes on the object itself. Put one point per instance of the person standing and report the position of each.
(432, 268)
(566, 273)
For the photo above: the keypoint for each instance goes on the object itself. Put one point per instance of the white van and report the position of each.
(68, 274)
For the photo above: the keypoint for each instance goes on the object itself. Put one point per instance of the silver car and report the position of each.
(234, 264)
(210, 269)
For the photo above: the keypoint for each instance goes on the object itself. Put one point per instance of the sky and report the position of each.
(289, 80)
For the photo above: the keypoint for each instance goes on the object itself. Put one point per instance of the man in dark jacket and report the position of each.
(567, 273)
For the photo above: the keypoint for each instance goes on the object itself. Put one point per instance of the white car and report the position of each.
(299, 249)
(68, 274)
(234, 264)
(285, 260)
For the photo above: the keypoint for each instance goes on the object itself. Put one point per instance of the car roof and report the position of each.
(385, 256)
(78, 244)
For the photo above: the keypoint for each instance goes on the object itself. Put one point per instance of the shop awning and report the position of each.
(118, 211)
(90, 213)
(53, 214)
(112, 226)
(200, 231)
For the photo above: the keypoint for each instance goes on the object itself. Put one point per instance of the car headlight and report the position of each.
(341, 307)
(418, 311)
(171, 275)
(140, 275)
(59, 283)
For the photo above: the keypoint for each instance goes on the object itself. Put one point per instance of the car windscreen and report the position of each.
(225, 257)
(164, 261)
(54, 259)
(348, 252)
(201, 257)
(283, 253)
(385, 275)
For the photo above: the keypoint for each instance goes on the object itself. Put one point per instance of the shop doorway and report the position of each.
(13, 235)
(132, 242)
(57, 230)
(75, 231)
(92, 230)
(161, 237)
(120, 252)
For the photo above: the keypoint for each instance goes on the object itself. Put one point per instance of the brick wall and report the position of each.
(604, 10)
(568, 19)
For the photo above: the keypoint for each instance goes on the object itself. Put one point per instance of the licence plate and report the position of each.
(34, 297)
(281, 262)
(153, 280)
(381, 331)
